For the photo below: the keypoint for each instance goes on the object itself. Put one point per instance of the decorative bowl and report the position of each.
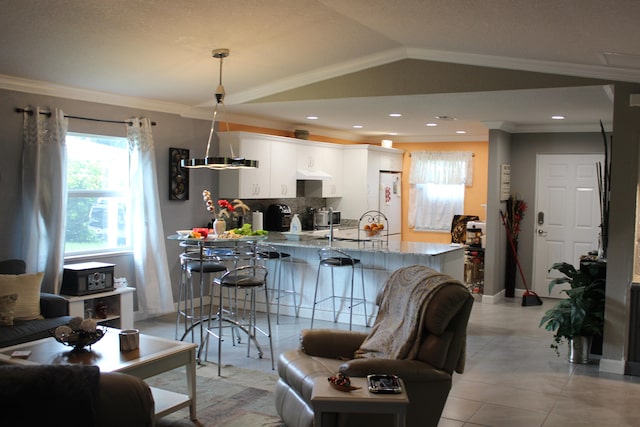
(344, 387)
(78, 339)
(341, 382)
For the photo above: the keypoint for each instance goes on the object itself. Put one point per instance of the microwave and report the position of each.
(321, 218)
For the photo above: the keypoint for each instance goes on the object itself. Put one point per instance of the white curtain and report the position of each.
(436, 191)
(44, 194)
(153, 283)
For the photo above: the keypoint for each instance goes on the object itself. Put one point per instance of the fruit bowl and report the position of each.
(374, 229)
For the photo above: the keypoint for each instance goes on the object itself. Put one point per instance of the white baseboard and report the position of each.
(612, 366)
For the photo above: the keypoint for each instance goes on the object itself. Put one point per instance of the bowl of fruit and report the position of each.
(373, 229)
(341, 382)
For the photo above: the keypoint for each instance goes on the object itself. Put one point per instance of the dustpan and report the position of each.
(529, 298)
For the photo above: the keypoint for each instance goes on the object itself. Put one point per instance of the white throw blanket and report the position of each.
(397, 331)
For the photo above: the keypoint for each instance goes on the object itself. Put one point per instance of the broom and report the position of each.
(529, 298)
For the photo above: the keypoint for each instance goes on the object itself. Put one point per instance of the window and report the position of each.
(97, 194)
(436, 193)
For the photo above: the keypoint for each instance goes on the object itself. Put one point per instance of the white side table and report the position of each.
(119, 303)
(325, 398)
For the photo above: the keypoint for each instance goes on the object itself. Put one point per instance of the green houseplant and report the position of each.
(580, 316)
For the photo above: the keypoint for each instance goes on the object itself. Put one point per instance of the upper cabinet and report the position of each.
(343, 170)
(245, 183)
(321, 161)
(283, 171)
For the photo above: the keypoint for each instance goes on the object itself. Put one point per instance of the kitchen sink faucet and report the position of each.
(330, 225)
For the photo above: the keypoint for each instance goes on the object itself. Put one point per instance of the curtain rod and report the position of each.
(48, 113)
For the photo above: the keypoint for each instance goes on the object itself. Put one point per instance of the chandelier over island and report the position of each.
(218, 163)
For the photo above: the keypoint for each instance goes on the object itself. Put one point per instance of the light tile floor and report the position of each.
(512, 377)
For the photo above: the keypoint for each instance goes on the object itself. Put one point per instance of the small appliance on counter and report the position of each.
(278, 218)
(322, 218)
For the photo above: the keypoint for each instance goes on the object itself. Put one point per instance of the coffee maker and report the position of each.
(278, 218)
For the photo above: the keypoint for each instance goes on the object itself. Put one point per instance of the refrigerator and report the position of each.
(390, 202)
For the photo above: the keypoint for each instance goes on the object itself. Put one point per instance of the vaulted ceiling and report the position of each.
(497, 63)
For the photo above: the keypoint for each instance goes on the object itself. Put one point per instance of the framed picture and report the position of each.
(178, 176)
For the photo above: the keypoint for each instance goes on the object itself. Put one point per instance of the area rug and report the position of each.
(239, 398)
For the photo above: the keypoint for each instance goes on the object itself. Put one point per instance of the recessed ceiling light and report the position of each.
(357, 126)
(395, 115)
(393, 133)
(312, 117)
(431, 124)
(461, 131)
(558, 117)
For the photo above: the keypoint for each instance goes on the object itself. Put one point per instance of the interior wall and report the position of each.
(474, 196)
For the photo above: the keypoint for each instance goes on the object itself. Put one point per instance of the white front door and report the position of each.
(567, 214)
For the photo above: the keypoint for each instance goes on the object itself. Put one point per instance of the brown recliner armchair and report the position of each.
(428, 355)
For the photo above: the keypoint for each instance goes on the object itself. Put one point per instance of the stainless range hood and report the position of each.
(312, 175)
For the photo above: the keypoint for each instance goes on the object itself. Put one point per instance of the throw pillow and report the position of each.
(7, 309)
(27, 287)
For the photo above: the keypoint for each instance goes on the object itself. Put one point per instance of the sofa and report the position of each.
(73, 395)
(419, 334)
(43, 311)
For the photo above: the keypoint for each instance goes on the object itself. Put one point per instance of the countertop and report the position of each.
(315, 242)
(415, 248)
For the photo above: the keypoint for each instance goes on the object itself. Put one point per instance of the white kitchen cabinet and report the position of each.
(332, 163)
(245, 183)
(309, 156)
(283, 174)
(322, 159)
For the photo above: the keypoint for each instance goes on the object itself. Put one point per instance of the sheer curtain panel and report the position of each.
(153, 283)
(44, 200)
(436, 188)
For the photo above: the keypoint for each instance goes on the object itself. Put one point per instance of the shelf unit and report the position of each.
(118, 307)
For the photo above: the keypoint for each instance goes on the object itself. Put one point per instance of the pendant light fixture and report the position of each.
(218, 163)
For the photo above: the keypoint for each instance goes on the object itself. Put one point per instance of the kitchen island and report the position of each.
(379, 260)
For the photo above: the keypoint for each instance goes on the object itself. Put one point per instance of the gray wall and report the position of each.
(171, 131)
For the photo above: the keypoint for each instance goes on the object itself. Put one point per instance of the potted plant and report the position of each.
(579, 317)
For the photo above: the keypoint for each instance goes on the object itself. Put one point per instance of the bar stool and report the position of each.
(203, 261)
(266, 253)
(336, 258)
(247, 278)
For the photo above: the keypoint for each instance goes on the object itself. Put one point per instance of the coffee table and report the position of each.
(325, 398)
(154, 356)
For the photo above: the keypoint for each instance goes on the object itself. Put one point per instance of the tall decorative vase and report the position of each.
(219, 226)
(510, 271)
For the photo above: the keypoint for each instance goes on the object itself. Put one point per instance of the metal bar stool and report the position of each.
(335, 258)
(201, 260)
(247, 278)
(266, 253)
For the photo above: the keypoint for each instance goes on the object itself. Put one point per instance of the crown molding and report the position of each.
(521, 64)
(19, 84)
(317, 75)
